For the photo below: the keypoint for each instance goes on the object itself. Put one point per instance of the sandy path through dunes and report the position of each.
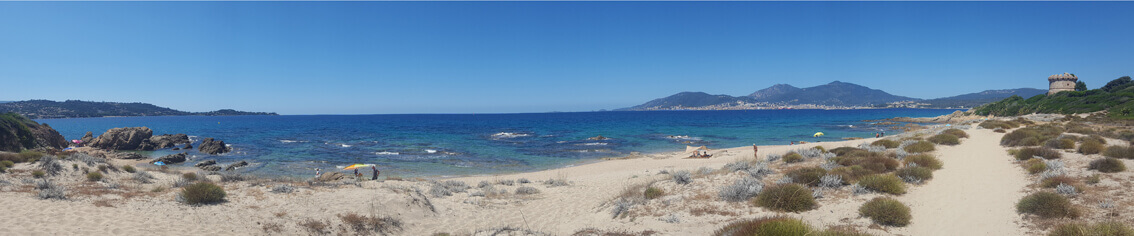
(975, 193)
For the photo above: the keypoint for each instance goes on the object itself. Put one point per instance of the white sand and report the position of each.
(974, 194)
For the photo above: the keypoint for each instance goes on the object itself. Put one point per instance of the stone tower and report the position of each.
(1061, 82)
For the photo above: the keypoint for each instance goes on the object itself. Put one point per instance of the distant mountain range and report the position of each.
(40, 109)
(832, 95)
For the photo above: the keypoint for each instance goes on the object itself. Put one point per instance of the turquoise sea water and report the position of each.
(469, 144)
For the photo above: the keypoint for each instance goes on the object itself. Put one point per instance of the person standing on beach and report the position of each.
(754, 150)
(375, 176)
(317, 173)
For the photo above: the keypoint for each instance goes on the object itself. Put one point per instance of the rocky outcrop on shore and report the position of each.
(127, 138)
(169, 140)
(88, 137)
(19, 133)
(213, 147)
(172, 159)
(135, 138)
(236, 165)
(332, 176)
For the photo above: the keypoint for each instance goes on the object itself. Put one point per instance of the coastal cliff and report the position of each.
(19, 133)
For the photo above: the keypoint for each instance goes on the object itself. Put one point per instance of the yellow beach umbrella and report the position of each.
(356, 166)
(818, 134)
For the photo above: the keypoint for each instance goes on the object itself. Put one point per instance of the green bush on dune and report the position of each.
(1031, 136)
(956, 132)
(924, 160)
(945, 139)
(886, 211)
(1047, 205)
(1107, 228)
(779, 226)
(1091, 147)
(202, 193)
(1028, 153)
(886, 143)
(1117, 151)
(785, 197)
(920, 147)
(883, 183)
(807, 175)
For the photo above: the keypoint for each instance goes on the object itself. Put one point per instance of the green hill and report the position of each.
(1117, 98)
(40, 109)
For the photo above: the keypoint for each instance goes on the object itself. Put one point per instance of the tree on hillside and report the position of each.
(1117, 84)
(1080, 86)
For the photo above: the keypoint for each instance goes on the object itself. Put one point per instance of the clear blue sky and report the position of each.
(486, 57)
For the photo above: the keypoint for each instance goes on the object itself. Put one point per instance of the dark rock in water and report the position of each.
(168, 140)
(600, 137)
(188, 146)
(237, 165)
(88, 138)
(213, 147)
(172, 159)
(127, 155)
(332, 176)
(211, 168)
(147, 146)
(176, 148)
(18, 133)
(206, 163)
(129, 138)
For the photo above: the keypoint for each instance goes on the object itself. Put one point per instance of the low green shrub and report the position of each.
(886, 211)
(807, 176)
(94, 176)
(30, 156)
(924, 160)
(996, 124)
(945, 139)
(1051, 182)
(875, 162)
(1116, 151)
(38, 173)
(918, 172)
(793, 157)
(1046, 153)
(956, 132)
(202, 193)
(189, 176)
(886, 143)
(1107, 228)
(883, 183)
(766, 226)
(1060, 143)
(1107, 165)
(821, 148)
(840, 151)
(1047, 205)
(129, 168)
(788, 197)
(1094, 179)
(920, 147)
(1035, 166)
(1031, 136)
(102, 168)
(7, 164)
(1091, 147)
(653, 192)
(851, 174)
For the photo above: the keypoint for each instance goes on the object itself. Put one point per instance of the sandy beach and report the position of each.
(973, 194)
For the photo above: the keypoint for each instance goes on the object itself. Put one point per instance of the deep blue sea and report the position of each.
(471, 144)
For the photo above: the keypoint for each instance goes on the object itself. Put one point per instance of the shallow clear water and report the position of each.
(468, 144)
